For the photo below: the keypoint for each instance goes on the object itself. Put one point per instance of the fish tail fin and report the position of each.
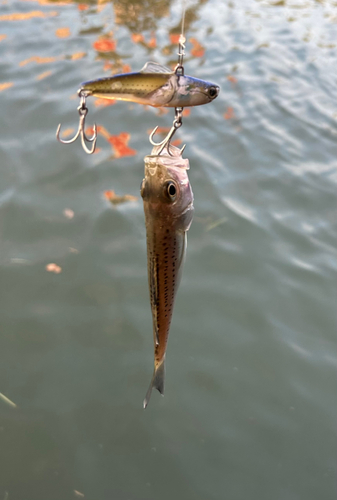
(157, 382)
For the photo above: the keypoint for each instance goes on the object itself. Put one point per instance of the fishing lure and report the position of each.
(168, 207)
(154, 85)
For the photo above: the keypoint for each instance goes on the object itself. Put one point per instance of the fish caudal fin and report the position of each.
(157, 382)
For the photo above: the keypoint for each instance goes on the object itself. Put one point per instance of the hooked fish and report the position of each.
(154, 85)
(168, 208)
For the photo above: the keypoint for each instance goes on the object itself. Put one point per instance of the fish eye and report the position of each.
(213, 91)
(171, 190)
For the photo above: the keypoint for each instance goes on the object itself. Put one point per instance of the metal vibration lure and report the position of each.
(154, 85)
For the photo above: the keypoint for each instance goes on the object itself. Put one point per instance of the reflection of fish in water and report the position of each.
(168, 207)
(154, 85)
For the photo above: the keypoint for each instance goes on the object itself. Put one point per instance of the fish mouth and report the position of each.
(189, 207)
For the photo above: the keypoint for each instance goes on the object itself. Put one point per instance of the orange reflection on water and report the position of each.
(116, 68)
(160, 130)
(41, 76)
(137, 37)
(60, 3)
(108, 66)
(23, 16)
(62, 32)
(118, 142)
(38, 60)
(229, 113)
(232, 79)
(160, 111)
(105, 45)
(2, 37)
(152, 43)
(6, 85)
(126, 68)
(100, 102)
(174, 38)
(100, 130)
(120, 145)
(77, 55)
(197, 50)
(47, 60)
(67, 133)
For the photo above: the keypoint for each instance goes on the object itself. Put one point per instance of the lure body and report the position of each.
(168, 208)
(154, 85)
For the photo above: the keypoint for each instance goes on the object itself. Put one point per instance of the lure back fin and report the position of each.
(157, 382)
(153, 67)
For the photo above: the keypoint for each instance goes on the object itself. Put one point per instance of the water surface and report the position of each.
(250, 403)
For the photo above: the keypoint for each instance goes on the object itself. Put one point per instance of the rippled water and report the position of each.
(250, 404)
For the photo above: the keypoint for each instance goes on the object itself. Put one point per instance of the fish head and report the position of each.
(193, 92)
(166, 188)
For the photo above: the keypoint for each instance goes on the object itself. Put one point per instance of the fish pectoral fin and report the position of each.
(153, 67)
(183, 249)
(157, 382)
(157, 335)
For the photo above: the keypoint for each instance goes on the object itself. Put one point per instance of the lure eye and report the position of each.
(213, 92)
(171, 190)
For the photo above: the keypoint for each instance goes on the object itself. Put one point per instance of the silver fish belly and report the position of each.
(168, 208)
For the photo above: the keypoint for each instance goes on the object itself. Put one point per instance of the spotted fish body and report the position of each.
(154, 85)
(168, 208)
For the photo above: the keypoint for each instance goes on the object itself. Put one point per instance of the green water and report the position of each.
(250, 401)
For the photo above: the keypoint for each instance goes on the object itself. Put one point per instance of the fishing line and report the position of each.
(183, 21)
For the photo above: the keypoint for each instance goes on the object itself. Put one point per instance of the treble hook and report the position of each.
(83, 111)
(165, 143)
